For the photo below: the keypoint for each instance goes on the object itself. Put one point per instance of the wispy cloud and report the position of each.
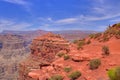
(94, 18)
(101, 13)
(20, 2)
(82, 18)
(66, 21)
(115, 20)
(6, 24)
(25, 4)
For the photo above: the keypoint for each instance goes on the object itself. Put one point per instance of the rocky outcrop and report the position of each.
(47, 46)
(43, 52)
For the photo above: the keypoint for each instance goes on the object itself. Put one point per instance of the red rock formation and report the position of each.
(47, 46)
(42, 64)
(43, 52)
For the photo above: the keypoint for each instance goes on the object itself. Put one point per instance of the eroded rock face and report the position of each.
(43, 52)
(47, 46)
(12, 42)
(12, 45)
(12, 51)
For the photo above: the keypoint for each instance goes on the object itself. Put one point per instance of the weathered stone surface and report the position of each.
(12, 51)
(47, 46)
(80, 57)
(43, 52)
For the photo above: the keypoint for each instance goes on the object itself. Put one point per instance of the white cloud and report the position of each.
(4, 22)
(93, 18)
(81, 19)
(66, 21)
(99, 11)
(20, 2)
(12, 25)
(115, 20)
(47, 19)
(99, 1)
(102, 10)
(101, 27)
(25, 4)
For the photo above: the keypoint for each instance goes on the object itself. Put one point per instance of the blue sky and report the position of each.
(58, 14)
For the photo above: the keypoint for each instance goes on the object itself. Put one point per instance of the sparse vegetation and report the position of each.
(74, 75)
(117, 73)
(61, 54)
(114, 74)
(94, 63)
(105, 39)
(67, 69)
(56, 77)
(113, 30)
(105, 50)
(95, 35)
(118, 32)
(80, 44)
(66, 57)
(91, 35)
(118, 24)
(88, 42)
(75, 41)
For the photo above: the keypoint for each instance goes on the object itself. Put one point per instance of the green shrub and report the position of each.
(66, 57)
(114, 74)
(105, 39)
(95, 35)
(74, 75)
(75, 41)
(67, 69)
(111, 74)
(118, 25)
(118, 32)
(91, 35)
(117, 73)
(60, 54)
(80, 44)
(94, 63)
(56, 77)
(105, 50)
(88, 42)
